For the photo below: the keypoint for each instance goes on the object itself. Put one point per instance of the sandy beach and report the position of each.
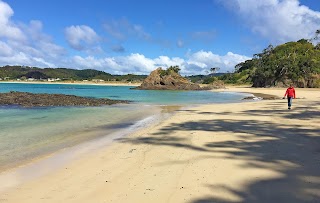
(255, 151)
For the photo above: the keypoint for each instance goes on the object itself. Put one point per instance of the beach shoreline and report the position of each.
(105, 83)
(189, 156)
(96, 134)
(49, 162)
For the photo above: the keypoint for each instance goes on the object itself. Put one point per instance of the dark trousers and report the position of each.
(289, 101)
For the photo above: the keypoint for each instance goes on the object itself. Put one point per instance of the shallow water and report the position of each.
(166, 97)
(27, 133)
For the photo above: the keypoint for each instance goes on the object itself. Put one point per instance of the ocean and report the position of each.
(29, 133)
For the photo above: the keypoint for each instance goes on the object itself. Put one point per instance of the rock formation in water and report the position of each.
(27, 99)
(169, 79)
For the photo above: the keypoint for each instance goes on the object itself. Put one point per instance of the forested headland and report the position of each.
(296, 63)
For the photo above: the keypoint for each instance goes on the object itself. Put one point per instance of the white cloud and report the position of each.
(165, 61)
(133, 63)
(25, 44)
(5, 49)
(81, 37)
(195, 63)
(277, 20)
(7, 28)
(201, 62)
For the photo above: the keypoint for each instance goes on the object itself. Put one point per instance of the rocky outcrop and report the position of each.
(26, 99)
(259, 96)
(160, 79)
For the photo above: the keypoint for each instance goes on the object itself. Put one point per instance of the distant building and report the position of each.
(53, 79)
(97, 80)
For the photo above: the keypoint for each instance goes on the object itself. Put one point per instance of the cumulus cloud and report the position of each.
(133, 63)
(25, 44)
(81, 37)
(277, 20)
(7, 28)
(5, 49)
(201, 61)
(165, 61)
(195, 63)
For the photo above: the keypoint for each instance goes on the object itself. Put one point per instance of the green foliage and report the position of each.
(163, 72)
(196, 78)
(175, 69)
(292, 62)
(24, 72)
(209, 80)
(170, 70)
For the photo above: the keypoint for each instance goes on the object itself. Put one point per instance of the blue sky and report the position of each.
(126, 36)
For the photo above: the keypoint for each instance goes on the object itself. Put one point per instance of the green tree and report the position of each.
(214, 70)
(292, 62)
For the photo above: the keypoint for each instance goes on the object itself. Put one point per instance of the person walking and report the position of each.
(291, 94)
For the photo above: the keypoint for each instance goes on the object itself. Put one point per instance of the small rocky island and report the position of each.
(26, 99)
(169, 79)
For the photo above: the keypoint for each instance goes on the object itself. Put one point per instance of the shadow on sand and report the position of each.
(296, 144)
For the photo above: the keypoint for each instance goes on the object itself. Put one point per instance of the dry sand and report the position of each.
(242, 152)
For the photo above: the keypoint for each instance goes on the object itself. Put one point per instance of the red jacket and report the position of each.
(290, 92)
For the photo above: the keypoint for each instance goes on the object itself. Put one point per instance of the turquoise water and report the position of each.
(27, 133)
(125, 93)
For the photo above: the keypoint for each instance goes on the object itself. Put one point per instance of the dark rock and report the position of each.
(259, 96)
(27, 99)
(249, 98)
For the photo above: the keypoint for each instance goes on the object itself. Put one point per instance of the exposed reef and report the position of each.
(26, 99)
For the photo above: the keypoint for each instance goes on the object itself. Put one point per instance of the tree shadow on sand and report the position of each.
(293, 144)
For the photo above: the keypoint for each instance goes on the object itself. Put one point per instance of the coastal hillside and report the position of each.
(35, 73)
(296, 63)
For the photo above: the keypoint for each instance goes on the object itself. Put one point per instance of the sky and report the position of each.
(137, 36)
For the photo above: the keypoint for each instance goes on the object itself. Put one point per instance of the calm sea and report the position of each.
(27, 133)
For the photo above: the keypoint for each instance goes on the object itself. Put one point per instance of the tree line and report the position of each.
(25, 72)
(296, 63)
